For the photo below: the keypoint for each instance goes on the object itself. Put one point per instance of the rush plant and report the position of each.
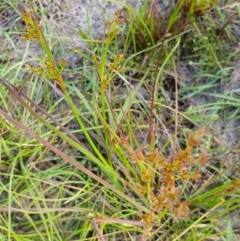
(155, 178)
(115, 184)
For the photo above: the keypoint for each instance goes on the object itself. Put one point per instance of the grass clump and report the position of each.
(152, 25)
(137, 166)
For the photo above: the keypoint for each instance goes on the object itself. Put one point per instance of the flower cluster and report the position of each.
(162, 178)
(107, 74)
(49, 68)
